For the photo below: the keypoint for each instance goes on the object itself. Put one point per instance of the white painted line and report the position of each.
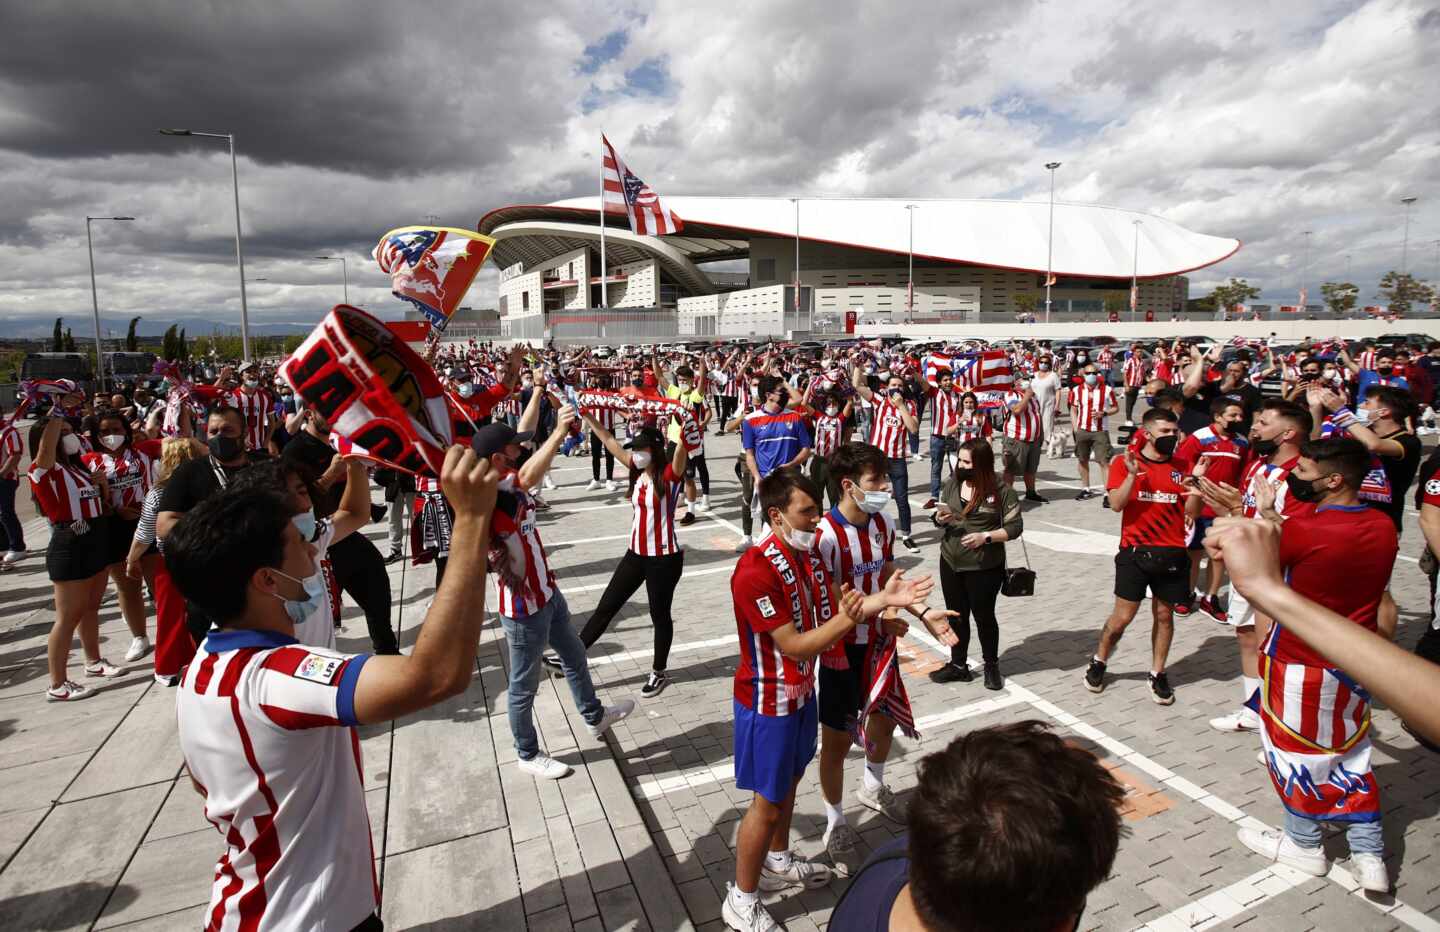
(642, 653)
(982, 707)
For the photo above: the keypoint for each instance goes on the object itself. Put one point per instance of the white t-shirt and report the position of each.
(318, 628)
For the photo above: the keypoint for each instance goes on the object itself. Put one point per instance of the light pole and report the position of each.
(1050, 240)
(344, 270)
(239, 250)
(796, 202)
(910, 276)
(1405, 246)
(1135, 272)
(95, 297)
(1304, 270)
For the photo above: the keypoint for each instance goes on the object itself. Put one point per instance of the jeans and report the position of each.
(360, 571)
(1364, 837)
(9, 521)
(937, 462)
(659, 576)
(402, 511)
(914, 442)
(528, 638)
(570, 442)
(900, 483)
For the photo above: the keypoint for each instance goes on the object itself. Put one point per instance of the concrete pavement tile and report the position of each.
(539, 878)
(151, 725)
(182, 813)
(15, 827)
(457, 884)
(171, 874)
(603, 864)
(620, 909)
(571, 866)
(38, 783)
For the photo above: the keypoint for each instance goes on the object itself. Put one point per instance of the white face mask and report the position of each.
(112, 441)
(301, 609)
(640, 459)
(800, 540)
(70, 444)
(832, 410)
(872, 503)
(684, 386)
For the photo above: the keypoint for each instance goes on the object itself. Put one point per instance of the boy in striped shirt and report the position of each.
(893, 420)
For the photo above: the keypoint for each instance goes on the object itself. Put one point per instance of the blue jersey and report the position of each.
(1369, 377)
(775, 439)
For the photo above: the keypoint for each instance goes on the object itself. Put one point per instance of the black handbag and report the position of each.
(1019, 580)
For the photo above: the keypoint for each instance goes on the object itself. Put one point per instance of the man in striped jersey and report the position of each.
(1134, 374)
(1024, 436)
(890, 424)
(1089, 403)
(944, 422)
(255, 405)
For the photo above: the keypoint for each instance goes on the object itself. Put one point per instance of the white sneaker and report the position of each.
(745, 544)
(1239, 720)
(613, 714)
(881, 800)
(840, 841)
(704, 505)
(610, 485)
(103, 668)
(800, 873)
(549, 483)
(12, 557)
(546, 768)
(1278, 846)
(1371, 869)
(67, 692)
(593, 485)
(167, 681)
(139, 647)
(755, 919)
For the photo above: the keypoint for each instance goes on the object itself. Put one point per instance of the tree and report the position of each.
(57, 342)
(1340, 297)
(169, 344)
(132, 342)
(1025, 303)
(1400, 289)
(292, 342)
(69, 342)
(1236, 291)
(1114, 304)
(184, 347)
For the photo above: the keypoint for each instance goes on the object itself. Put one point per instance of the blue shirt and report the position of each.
(775, 439)
(1369, 377)
(867, 903)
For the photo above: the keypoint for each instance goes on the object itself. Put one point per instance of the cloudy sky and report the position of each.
(1244, 119)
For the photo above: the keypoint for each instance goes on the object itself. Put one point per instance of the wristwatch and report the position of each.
(987, 538)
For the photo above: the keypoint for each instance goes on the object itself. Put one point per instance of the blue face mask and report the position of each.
(305, 524)
(300, 610)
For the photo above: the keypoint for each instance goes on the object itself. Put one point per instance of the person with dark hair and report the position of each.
(690, 393)
(267, 725)
(654, 558)
(1222, 447)
(1314, 720)
(787, 613)
(1024, 436)
(1146, 489)
(1090, 402)
(773, 436)
(1383, 372)
(944, 423)
(831, 429)
(893, 419)
(1200, 388)
(979, 514)
(1018, 827)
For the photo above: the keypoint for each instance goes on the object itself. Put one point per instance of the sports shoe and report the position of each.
(592, 485)
(610, 485)
(139, 647)
(993, 679)
(104, 668)
(167, 681)
(1277, 846)
(840, 841)
(13, 556)
(67, 692)
(688, 520)
(881, 800)
(929, 503)
(1036, 497)
(552, 661)
(1240, 720)
(395, 557)
(745, 544)
(703, 506)
(549, 483)
(1160, 689)
(539, 503)
(655, 684)
(1213, 608)
(611, 715)
(910, 544)
(1373, 875)
(1183, 609)
(755, 918)
(546, 768)
(1095, 676)
(952, 673)
(800, 873)
(1084, 494)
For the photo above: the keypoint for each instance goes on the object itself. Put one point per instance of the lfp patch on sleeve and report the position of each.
(318, 668)
(767, 608)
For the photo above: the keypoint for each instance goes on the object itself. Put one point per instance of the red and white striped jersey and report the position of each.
(827, 433)
(1366, 360)
(540, 586)
(65, 493)
(766, 680)
(1088, 404)
(427, 484)
(605, 417)
(944, 412)
(976, 425)
(128, 474)
(887, 428)
(267, 730)
(857, 556)
(1258, 471)
(256, 406)
(652, 525)
(1105, 359)
(10, 445)
(1025, 426)
(1135, 371)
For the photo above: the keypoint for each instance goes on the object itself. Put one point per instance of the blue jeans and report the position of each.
(1364, 837)
(900, 484)
(914, 442)
(937, 460)
(528, 637)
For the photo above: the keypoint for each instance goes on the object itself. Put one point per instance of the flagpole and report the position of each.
(604, 301)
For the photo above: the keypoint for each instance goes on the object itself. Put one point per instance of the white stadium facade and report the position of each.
(729, 272)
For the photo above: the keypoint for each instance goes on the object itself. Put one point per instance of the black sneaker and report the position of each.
(395, 557)
(1036, 497)
(910, 544)
(952, 673)
(688, 520)
(1084, 494)
(552, 661)
(993, 679)
(1095, 676)
(654, 684)
(1160, 689)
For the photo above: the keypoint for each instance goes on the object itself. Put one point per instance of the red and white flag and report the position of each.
(1134, 297)
(989, 369)
(622, 189)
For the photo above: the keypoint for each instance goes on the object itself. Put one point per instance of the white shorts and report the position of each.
(1239, 612)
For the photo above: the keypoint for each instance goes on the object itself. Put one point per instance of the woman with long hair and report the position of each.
(72, 500)
(654, 557)
(978, 514)
(173, 644)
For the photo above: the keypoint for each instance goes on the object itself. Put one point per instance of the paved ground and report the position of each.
(99, 829)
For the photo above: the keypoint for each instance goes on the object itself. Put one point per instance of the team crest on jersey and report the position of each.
(767, 608)
(318, 668)
(1432, 487)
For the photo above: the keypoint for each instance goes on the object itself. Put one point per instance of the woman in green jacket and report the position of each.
(978, 515)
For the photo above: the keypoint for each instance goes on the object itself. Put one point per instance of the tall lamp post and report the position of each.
(796, 202)
(344, 271)
(239, 249)
(95, 297)
(1305, 272)
(1050, 240)
(910, 275)
(1135, 272)
(1405, 245)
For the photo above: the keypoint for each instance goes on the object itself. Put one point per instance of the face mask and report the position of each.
(1362, 416)
(224, 448)
(1090, 378)
(1081, 358)
(964, 473)
(527, 382)
(1303, 490)
(1384, 370)
(70, 444)
(872, 503)
(684, 386)
(112, 441)
(1264, 447)
(1330, 375)
(1024, 384)
(1044, 367)
(640, 459)
(1309, 376)
(466, 390)
(300, 610)
(305, 523)
(803, 541)
(638, 383)
(832, 410)
(1165, 446)
(251, 383)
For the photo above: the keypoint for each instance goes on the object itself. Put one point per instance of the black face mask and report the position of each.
(964, 473)
(1303, 490)
(1165, 446)
(1265, 447)
(1384, 370)
(638, 383)
(224, 448)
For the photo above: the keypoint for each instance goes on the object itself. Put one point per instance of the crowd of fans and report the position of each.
(1268, 491)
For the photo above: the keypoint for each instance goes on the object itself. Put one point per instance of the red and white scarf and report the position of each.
(594, 399)
(806, 586)
(887, 688)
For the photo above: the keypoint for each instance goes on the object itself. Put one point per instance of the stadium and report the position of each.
(730, 272)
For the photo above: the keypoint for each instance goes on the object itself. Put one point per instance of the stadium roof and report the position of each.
(1091, 241)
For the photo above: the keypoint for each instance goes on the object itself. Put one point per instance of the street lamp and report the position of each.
(910, 279)
(1135, 272)
(1050, 240)
(1304, 271)
(95, 297)
(1405, 247)
(344, 270)
(239, 250)
(796, 202)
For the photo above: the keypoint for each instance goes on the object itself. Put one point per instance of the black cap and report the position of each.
(493, 438)
(646, 438)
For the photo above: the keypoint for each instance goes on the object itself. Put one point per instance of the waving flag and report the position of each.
(988, 369)
(623, 189)
(936, 365)
(432, 267)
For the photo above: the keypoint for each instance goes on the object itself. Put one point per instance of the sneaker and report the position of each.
(67, 691)
(655, 684)
(755, 918)
(592, 485)
(167, 681)
(1373, 875)
(1183, 609)
(840, 841)
(910, 544)
(552, 661)
(611, 715)
(1095, 676)
(1084, 494)
(1212, 607)
(546, 768)
(610, 485)
(1240, 720)
(139, 647)
(1036, 497)
(395, 557)
(800, 873)
(103, 668)
(13, 556)
(952, 673)
(993, 680)
(1160, 689)
(549, 483)
(881, 800)
(703, 506)
(929, 503)
(540, 503)
(1277, 846)
(688, 520)
(745, 544)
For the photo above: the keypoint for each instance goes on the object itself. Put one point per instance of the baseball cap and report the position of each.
(494, 438)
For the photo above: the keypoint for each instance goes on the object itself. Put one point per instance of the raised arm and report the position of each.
(354, 510)
(857, 381)
(536, 466)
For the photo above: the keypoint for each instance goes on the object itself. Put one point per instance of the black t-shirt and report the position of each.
(313, 456)
(1400, 473)
(867, 902)
(195, 481)
(1247, 395)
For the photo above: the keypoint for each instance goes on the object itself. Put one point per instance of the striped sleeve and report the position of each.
(301, 687)
(145, 530)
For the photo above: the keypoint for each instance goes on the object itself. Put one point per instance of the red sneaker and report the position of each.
(1212, 608)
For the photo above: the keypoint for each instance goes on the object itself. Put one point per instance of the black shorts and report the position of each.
(121, 534)
(1165, 571)
(72, 556)
(689, 460)
(842, 692)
